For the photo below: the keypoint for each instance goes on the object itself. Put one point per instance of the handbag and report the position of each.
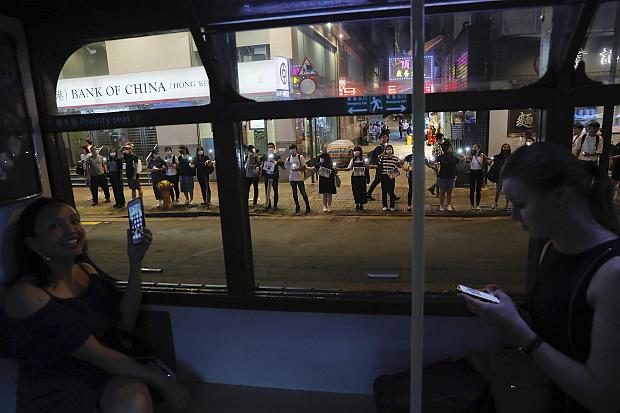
(394, 173)
(492, 174)
(338, 182)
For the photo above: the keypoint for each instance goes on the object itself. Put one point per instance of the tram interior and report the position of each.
(239, 343)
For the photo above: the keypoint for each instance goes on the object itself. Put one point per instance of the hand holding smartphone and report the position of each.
(136, 220)
(480, 295)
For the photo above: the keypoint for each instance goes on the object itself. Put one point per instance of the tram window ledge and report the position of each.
(223, 398)
(300, 300)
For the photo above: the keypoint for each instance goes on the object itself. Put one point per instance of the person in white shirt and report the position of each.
(296, 165)
(578, 132)
(589, 147)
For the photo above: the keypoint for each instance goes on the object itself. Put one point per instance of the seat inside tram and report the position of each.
(255, 308)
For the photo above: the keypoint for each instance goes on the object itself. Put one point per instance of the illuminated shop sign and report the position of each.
(400, 68)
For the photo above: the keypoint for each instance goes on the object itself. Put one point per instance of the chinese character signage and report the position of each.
(400, 68)
(520, 120)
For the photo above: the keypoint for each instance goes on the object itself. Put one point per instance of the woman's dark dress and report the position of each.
(49, 379)
(358, 183)
(326, 185)
(559, 276)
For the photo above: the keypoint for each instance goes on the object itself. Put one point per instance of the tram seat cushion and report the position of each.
(448, 387)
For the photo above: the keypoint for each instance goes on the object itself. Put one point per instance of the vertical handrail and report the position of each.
(417, 244)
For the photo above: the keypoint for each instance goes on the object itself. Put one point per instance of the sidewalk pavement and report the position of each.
(342, 203)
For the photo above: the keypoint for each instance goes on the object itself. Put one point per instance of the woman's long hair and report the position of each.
(29, 262)
(544, 166)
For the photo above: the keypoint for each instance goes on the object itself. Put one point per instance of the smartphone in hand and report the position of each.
(480, 295)
(136, 220)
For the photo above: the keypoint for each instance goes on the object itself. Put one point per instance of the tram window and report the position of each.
(148, 72)
(501, 49)
(187, 249)
(599, 51)
(338, 246)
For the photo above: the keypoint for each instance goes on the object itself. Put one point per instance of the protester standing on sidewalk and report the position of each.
(388, 165)
(360, 177)
(324, 166)
(436, 153)
(84, 155)
(187, 171)
(408, 166)
(172, 174)
(589, 147)
(97, 168)
(446, 177)
(374, 161)
(296, 165)
(131, 170)
(272, 163)
(204, 168)
(497, 163)
(115, 171)
(476, 162)
(252, 171)
(157, 168)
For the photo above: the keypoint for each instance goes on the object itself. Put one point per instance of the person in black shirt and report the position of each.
(131, 171)
(204, 168)
(374, 160)
(157, 167)
(324, 166)
(270, 162)
(187, 171)
(360, 177)
(408, 166)
(115, 171)
(446, 177)
(497, 163)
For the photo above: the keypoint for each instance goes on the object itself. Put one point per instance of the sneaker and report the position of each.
(369, 197)
(190, 203)
(203, 203)
(392, 209)
(94, 204)
(478, 208)
(357, 207)
(450, 208)
(176, 202)
(297, 209)
(308, 209)
(508, 209)
(441, 208)
(324, 209)
(361, 207)
(107, 200)
(157, 205)
(473, 208)
(384, 208)
(329, 209)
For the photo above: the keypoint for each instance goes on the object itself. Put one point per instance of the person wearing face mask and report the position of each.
(272, 163)
(84, 155)
(131, 171)
(497, 163)
(252, 171)
(476, 160)
(97, 167)
(408, 166)
(360, 177)
(157, 168)
(204, 167)
(296, 165)
(374, 161)
(388, 165)
(172, 174)
(446, 177)
(187, 171)
(115, 169)
(324, 166)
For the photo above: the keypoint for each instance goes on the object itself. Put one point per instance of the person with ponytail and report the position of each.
(573, 330)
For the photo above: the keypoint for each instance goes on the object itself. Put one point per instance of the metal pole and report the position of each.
(417, 245)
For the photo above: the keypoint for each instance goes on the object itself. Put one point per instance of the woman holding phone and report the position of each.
(574, 309)
(62, 320)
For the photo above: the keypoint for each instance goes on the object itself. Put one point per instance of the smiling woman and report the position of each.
(63, 321)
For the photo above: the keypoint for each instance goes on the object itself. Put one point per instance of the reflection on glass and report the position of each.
(150, 72)
(600, 51)
(500, 49)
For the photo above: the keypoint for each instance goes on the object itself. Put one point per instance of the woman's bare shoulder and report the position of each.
(24, 298)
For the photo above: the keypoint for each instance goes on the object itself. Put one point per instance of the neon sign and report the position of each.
(400, 68)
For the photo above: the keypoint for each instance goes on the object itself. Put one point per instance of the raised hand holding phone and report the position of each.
(138, 236)
(481, 295)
